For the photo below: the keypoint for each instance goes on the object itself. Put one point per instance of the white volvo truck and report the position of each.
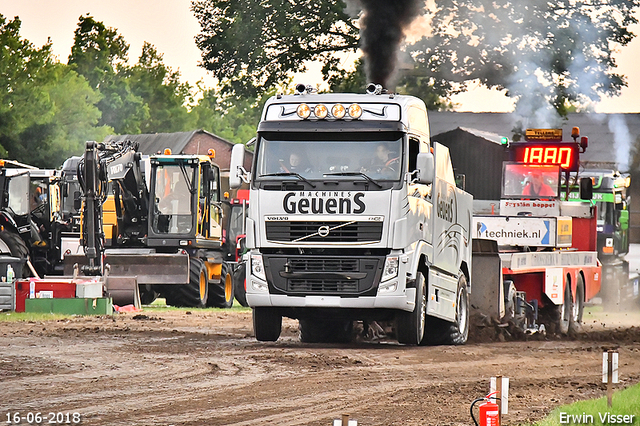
(354, 216)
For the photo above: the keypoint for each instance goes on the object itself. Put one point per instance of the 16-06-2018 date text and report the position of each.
(43, 418)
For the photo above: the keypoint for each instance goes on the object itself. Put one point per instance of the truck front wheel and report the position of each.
(441, 332)
(410, 325)
(267, 324)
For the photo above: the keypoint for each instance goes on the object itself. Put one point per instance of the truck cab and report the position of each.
(354, 216)
(610, 197)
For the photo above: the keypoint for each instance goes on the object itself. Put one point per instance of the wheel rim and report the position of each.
(228, 287)
(203, 285)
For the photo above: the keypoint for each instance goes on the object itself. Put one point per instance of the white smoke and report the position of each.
(533, 109)
(622, 140)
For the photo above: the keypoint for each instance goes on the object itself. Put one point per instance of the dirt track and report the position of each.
(205, 368)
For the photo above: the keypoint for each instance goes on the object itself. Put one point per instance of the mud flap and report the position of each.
(487, 290)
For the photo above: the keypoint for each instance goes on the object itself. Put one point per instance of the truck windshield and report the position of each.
(340, 156)
(173, 200)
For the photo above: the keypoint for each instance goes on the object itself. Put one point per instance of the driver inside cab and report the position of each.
(384, 160)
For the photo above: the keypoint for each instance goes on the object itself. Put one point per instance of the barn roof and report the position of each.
(157, 142)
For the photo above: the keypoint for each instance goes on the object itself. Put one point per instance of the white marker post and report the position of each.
(610, 372)
(501, 385)
(345, 421)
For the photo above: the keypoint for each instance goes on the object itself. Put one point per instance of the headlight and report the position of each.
(320, 111)
(355, 111)
(303, 111)
(338, 111)
(390, 268)
(257, 267)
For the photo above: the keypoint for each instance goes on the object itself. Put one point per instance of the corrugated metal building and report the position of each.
(477, 155)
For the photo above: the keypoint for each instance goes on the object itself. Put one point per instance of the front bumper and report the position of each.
(342, 282)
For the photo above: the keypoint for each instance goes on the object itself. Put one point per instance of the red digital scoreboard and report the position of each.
(545, 147)
(565, 154)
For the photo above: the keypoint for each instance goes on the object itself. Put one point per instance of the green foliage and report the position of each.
(228, 117)
(251, 46)
(97, 51)
(100, 55)
(46, 109)
(160, 88)
(551, 56)
(347, 82)
(71, 120)
(546, 54)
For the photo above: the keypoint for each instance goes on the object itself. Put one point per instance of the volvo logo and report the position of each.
(323, 231)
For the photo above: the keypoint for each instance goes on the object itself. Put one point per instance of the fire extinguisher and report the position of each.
(489, 411)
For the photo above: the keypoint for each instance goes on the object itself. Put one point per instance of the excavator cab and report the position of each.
(185, 202)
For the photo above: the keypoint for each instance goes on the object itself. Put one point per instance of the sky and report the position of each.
(170, 26)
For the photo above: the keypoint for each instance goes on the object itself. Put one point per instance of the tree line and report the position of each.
(550, 57)
(48, 109)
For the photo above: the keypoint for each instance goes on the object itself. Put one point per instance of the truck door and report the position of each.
(211, 209)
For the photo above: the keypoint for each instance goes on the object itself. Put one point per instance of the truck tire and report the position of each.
(319, 331)
(11, 243)
(267, 324)
(565, 311)
(410, 326)
(510, 301)
(239, 284)
(221, 293)
(441, 332)
(194, 294)
(578, 307)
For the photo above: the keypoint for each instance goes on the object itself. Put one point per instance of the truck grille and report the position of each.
(329, 275)
(323, 265)
(313, 231)
(322, 286)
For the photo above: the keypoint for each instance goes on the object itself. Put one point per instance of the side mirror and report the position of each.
(624, 219)
(426, 168)
(586, 189)
(77, 201)
(236, 169)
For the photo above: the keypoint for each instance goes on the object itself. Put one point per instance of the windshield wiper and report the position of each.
(289, 174)
(354, 174)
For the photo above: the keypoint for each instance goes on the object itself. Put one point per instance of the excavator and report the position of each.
(166, 228)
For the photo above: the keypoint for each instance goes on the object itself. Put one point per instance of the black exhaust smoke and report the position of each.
(382, 31)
